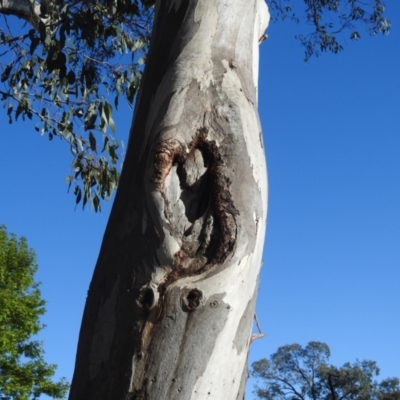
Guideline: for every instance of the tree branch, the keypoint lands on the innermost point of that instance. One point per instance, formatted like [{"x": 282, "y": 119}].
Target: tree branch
[
  {"x": 289, "y": 387},
  {"x": 22, "y": 9},
  {"x": 331, "y": 387}
]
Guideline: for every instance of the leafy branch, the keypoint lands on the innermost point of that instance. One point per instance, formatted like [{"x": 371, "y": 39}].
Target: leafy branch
[
  {"x": 329, "y": 18},
  {"x": 62, "y": 70}
]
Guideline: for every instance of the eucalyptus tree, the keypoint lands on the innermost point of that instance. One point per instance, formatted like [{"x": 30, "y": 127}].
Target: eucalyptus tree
[
  {"x": 170, "y": 306},
  {"x": 304, "y": 373}
]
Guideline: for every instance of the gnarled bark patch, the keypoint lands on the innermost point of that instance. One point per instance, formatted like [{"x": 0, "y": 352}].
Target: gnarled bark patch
[{"x": 200, "y": 212}]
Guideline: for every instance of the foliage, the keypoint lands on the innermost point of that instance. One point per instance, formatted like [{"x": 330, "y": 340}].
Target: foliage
[
  {"x": 69, "y": 67},
  {"x": 64, "y": 69},
  {"x": 329, "y": 18},
  {"x": 23, "y": 372},
  {"x": 297, "y": 373}
]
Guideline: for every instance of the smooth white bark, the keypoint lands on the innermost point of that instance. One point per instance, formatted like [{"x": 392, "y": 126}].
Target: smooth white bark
[
  {"x": 238, "y": 281},
  {"x": 170, "y": 309}
]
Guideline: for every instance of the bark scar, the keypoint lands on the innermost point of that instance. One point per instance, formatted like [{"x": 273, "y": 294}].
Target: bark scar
[
  {"x": 217, "y": 238},
  {"x": 167, "y": 153}
]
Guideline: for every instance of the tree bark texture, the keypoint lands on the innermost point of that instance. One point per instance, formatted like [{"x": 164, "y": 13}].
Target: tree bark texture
[{"x": 171, "y": 303}]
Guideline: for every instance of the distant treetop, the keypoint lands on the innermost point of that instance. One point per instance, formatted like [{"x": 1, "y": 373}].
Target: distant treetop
[{"x": 304, "y": 373}]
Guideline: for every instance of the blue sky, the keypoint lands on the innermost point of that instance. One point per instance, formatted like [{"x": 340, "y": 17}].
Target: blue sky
[{"x": 332, "y": 255}]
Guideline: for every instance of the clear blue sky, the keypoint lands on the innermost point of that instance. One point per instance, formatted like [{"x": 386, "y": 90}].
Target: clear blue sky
[{"x": 332, "y": 256}]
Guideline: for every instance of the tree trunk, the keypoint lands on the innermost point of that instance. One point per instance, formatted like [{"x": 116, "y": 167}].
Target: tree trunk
[{"x": 170, "y": 307}]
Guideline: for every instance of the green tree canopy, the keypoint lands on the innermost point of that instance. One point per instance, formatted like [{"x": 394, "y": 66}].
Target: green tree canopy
[
  {"x": 304, "y": 373},
  {"x": 23, "y": 372}
]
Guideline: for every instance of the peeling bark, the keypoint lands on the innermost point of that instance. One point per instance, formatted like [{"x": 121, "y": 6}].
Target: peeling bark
[{"x": 170, "y": 306}]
